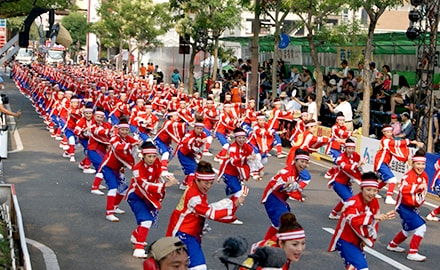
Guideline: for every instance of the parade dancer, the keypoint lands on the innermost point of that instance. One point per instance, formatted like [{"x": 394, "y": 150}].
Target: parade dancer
[
  {"x": 226, "y": 124},
  {"x": 210, "y": 116},
  {"x": 73, "y": 117},
  {"x": 187, "y": 221},
  {"x": 435, "y": 186},
  {"x": 121, "y": 108},
  {"x": 190, "y": 150},
  {"x": 280, "y": 187},
  {"x": 359, "y": 224},
  {"x": 290, "y": 238},
  {"x": 300, "y": 127},
  {"x": 412, "y": 193},
  {"x": 120, "y": 155},
  {"x": 172, "y": 130},
  {"x": 250, "y": 117},
  {"x": 348, "y": 168},
  {"x": 99, "y": 141},
  {"x": 82, "y": 131},
  {"x": 235, "y": 169},
  {"x": 261, "y": 140},
  {"x": 389, "y": 148},
  {"x": 145, "y": 195},
  {"x": 339, "y": 133},
  {"x": 146, "y": 122},
  {"x": 274, "y": 123}
]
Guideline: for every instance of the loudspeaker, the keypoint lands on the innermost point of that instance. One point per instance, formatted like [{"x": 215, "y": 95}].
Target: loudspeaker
[
  {"x": 184, "y": 44},
  {"x": 63, "y": 37}
]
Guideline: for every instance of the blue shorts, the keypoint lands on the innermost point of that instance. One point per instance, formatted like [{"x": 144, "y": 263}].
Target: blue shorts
[
  {"x": 194, "y": 247},
  {"x": 133, "y": 129},
  {"x": 114, "y": 120},
  {"x": 221, "y": 138},
  {"x": 68, "y": 133},
  {"x": 163, "y": 148},
  {"x": 276, "y": 139},
  {"x": 385, "y": 172},
  {"x": 142, "y": 209},
  {"x": 96, "y": 158},
  {"x": 351, "y": 254},
  {"x": 207, "y": 132},
  {"x": 246, "y": 127},
  {"x": 189, "y": 164},
  {"x": 275, "y": 207},
  {"x": 233, "y": 184},
  {"x": 144, "y": 136},
  {"x": 111, "y": 177},
  {"x": 334, "y": 154},
  {"x": 411, "y": 219},
  {"x": 257, "y": 150},
  {"x": 343, "y": 191}
]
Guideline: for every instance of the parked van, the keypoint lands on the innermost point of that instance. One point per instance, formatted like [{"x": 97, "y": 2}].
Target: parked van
[{"x": 25, "y": 56}]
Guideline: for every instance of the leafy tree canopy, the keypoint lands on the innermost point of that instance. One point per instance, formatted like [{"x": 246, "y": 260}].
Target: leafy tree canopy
[{"x": 14, "y": 8}]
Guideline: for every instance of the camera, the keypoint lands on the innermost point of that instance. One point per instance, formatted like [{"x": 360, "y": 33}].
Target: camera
[{"x": 5, "y": 99}]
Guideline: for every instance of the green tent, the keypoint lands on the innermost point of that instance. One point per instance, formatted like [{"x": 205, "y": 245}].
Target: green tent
[{"x": 383, "y": 43}]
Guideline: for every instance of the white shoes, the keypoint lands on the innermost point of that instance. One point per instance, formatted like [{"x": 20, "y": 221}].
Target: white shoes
[
  {"x": 182, "y": 187},
  {"x": 139, "y": 253},
  {"x": 378, "y": 196},
  {"x": 208, "y": 154},
  {"x": 134, "y": 241},
  {"x": 281, "y": 155},
  {"x": 66, "y": 155},
  {"x": 112, "y": 218},
  {"x": 389, "y": 200},
  {"x": 97, "y": 192},
  {"x": 395, "y": 249},
  {"x": 72, "y": 159},
  {"x": 89, "y": 171},
  {"x": 333, "y": 217},
  {"x": 237, "y": 222},
  {"x": 416, "y": 257},
  {"x": 58, "y": 138},
  {"x": 432, "y": 218},
  {"x": 81, "y": 166},
  {"x": 102, "y": 186},
  {"x": 119, "y": 211}
]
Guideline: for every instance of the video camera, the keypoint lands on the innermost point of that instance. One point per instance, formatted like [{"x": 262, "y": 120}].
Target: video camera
[{"x": 270, "y": 257}]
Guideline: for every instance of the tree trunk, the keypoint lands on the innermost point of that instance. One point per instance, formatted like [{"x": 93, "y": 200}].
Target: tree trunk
[
  {"x": 254, "y": 87},
  {"x": 191, "y": 70},
  {"x": 366, "y": 80},
  {"x": 215, "y": 67},
  {"x": 275, "y": 60},
  {"x": 318, "y": 72}
]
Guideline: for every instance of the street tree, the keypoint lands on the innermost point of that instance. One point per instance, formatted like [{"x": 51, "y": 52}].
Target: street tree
[
  {"x": 374, "y": 9},
  {"x": 202, "y": 22},
  {"x": 130, "y": 24},
  {"x": 313, "y": 14},
  {"x": 76, "y": 24}
]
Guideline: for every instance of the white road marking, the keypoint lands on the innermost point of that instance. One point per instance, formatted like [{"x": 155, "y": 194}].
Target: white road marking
[
  {"x": 376, "y": 254},
  {"x": 50, "y": 258}
]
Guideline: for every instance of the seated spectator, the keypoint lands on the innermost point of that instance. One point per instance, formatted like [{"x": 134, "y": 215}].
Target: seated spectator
[
  {"x": 408, "y": 131},
  {"x": 395, "y": 125},
  {"x": 402, "y": 95}
]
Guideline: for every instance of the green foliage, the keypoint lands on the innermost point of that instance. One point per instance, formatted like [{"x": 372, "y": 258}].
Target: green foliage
[
  {"x": 76, "y": 24},
  {"x": 16, "y": 8},
  {"x": 138, "y": 20}
]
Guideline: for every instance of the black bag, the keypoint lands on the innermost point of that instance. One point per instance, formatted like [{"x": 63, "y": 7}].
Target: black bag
[{"x": 5, "y": 99}]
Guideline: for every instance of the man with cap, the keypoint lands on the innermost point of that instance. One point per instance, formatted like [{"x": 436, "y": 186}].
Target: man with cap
[
  {"x": 167, "y": 253},
  {"x": 359, "y": 223}
]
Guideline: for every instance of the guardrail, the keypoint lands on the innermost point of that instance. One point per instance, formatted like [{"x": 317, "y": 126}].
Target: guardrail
[{"x": 10, "y": 213}]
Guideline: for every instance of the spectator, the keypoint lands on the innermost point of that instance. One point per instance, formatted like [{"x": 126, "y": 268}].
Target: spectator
[
  {"x": 395, "y": 125},
  {"x": 402, "y": 95},
  {"x": 284, "y": 100},
  {"x": 235, "y": 93},
  {"x": 293, "y": 105},
  {"x": 345, "y": 68},
  {"x": 167, "y": 253},
  {"x": 408, "y": 130},
  {"x": 175, "y": 78},
  {"x": 2, "y": 108},
  {"x": 306, "y": 77},
  {"x": 351, "y": 78},
  {"x": 294, "y": 77},
  {"x": 345, "y": 107},
  {"x": 143, "y": 71},
  {"x": 312, "y": 108}
]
